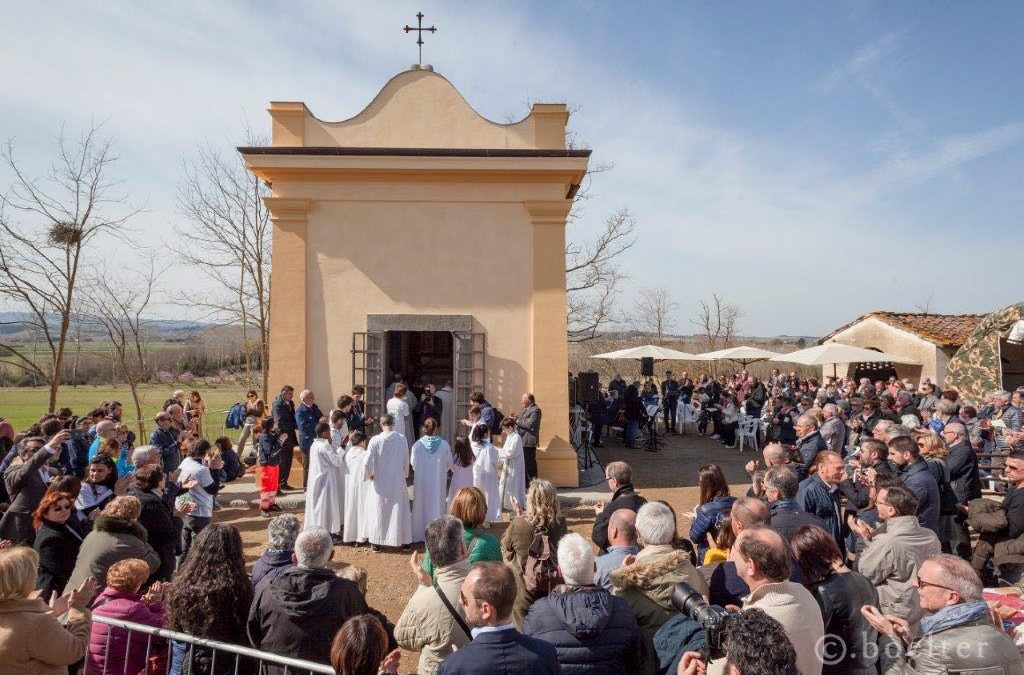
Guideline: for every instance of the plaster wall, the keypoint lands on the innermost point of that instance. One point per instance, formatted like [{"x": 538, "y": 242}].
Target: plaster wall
[{"x": 874, "y": 334}]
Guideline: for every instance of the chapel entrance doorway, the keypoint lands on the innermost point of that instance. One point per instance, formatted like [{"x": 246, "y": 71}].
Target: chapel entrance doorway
[{"x": 420, "y": 358}]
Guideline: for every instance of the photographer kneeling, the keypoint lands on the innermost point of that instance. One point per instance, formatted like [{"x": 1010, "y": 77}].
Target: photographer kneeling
[{"x": 754, "y": 644}]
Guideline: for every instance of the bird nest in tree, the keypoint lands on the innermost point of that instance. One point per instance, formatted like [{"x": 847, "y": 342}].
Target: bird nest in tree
[{"x": 66, "y": 234}]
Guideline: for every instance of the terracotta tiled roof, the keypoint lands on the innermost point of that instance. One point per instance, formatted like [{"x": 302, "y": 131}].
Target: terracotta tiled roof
[{"x": 945, "y": 330}]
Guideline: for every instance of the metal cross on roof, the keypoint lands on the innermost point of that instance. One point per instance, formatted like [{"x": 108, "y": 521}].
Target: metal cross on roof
[{"x": 419, "y": 33}]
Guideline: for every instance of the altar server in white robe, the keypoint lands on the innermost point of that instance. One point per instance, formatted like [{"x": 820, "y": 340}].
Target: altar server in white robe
[
  {"x": 356, "y": 488},
  {"x": 325, "y": 489},
  {"x": 472, "y": 421},
  {"x": 513, "y": 466},
  {"x": 447, "y": 396},
  {"x": 463, "y": 460},
  {"x": 431, "y": 461},
  {"x": 399, "y": 408},
  {"x": 388, "y": 520},
  {"x": 485, "y": 471}
]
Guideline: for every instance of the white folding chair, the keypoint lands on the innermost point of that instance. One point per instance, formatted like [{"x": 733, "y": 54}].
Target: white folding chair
[{"x": 747, "y": 431}]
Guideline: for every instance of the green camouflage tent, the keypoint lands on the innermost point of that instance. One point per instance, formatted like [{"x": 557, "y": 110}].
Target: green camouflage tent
[{"x": 975, "y": 367}]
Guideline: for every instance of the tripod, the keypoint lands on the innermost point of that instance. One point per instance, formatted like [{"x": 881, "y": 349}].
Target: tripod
[{"x": 652, "y": 443}]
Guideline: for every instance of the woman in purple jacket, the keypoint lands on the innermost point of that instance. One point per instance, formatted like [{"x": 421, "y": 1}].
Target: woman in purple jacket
[{"x": 109, "y": 648}]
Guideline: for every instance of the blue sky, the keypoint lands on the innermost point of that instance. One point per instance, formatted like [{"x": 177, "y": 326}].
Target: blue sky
[{"x": 809, "y": 161}]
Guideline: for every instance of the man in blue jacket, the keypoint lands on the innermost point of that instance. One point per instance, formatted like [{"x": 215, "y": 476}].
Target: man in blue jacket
[
  {"x": 487, "y": 597},
  {"x": 913, "y": 471},
  {"x": 307, "y": 416},
  {"x": 819, "y": 494}
]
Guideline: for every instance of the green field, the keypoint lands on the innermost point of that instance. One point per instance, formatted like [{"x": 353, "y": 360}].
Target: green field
[{"x": 22, "y": 406}]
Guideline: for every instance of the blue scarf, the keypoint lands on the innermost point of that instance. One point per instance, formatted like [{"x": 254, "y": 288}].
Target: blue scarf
[
  {"x": 430, "y": 443},
  {"x": 954, "y": 615}
]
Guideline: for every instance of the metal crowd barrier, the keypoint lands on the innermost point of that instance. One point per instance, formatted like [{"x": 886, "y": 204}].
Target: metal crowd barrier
[{"x": 220, "y": 651}]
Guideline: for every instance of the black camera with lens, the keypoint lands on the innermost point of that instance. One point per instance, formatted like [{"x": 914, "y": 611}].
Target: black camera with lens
[{"x": 711, "y": 618}]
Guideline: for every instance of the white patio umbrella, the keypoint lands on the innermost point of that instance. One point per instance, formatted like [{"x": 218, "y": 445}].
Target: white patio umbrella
[
  {"x": 743, "y": 355},
  {"x": 649, "y": 352},
  {"x": 834, "y": 353}
]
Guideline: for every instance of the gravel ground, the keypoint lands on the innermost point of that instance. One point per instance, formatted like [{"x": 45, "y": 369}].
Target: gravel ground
[{"x": 668, "y": 475}]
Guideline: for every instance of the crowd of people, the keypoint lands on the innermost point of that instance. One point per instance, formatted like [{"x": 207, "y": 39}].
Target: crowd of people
[{"x": 862, "y": 545}]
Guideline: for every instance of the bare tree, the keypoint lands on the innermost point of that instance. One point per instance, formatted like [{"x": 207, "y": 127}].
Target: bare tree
[
  {"x": 925, "y": 305},
  {"x": 117, "y": 305},
  {"x": 228, "y": 240},
  {"x": 593, "y": 276},
  {"x": 717, "y": 321},
  {"x": 40, "y": 261},
  {"x": 654, "y": 311}
]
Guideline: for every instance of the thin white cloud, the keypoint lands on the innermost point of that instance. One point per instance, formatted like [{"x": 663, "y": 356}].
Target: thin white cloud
[{"x": 863, "y": 60}]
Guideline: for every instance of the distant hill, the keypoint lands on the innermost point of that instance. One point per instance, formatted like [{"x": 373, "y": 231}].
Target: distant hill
[{"x": 13, "y": 328}]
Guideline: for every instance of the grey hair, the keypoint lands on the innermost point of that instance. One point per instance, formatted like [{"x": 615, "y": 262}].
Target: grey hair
[
  {"x": 897, "y": 430},
  {"x": 775, "y": 451},
  {"x": 576, "y": 560},
  {"x": 945, "y": 406},
  {"x": 282, "y": 532},
  {"x": 809, "y": 420},
  {"x": 958, "y": 576},
  {"x": 783, "y": 480},
  {"x": 655, "y": 524},
  {"x": 313, "y": 548},
  {"x": 956, "y": 427},
  {"x": 831, "y": 408},
  {"x": 143, "y": 455},
  {"x": 620, "y": 471},
  {"x": 387, "y": 420},
  {"x": 444, "y": 541},
  {"x": 1002, "y": 395}
]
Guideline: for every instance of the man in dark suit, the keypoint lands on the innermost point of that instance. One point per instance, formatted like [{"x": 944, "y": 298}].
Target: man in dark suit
[
  {"x": 809, "y": 441},
  {"x": 283, "y": 411},
  {"x": 487, "y": 597},
  {"x": 528, "y": 426}
]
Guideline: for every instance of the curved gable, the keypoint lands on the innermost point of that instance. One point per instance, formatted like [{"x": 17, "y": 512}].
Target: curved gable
[{"x": 420, "y": 109}]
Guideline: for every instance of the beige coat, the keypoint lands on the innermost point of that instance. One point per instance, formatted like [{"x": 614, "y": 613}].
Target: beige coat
[
  {"x": 795, "y": 608},
  {"x": 32, "y": 642},
  {"x": 427, "y": 626},
  {"x": 891, "y": 561}
]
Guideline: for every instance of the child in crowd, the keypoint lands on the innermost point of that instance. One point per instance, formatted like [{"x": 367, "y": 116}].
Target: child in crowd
[
  {"x": 269, "y": 461},
  {"x": 720, "y": 542},
  {"x": 357, "y": 575},
  {"x": 232, "y": 465},
  {"x": 339, "y": 429}
]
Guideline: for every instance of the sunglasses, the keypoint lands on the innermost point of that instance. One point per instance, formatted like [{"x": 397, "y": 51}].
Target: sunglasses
[{"x": 61, "y": 507}]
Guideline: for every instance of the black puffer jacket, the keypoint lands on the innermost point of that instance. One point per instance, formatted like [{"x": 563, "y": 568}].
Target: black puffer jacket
[
  {"x": 162, "y": 527},
  {"x": 593, "y": 631},
  {"x": 298, "y": 613}
]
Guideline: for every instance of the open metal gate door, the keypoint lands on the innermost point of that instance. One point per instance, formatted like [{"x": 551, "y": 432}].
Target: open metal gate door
[
  {"x": 368, "y": 370},
  {"x": 470, "y": 366}
]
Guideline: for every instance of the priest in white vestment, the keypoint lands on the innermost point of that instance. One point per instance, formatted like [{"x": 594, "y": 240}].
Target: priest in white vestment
[
  {"x": 513, "y": 473},
  {"x": 325, "y": 488},
  {"x": 356, "y": 488},
  {"x": 485, "y": 471},
  {"x": 431, "y": 461},
  {"x": 388, "y": 520},
  {"x": 399, "y": 408},
  {"x": 447, "y": 396}
]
